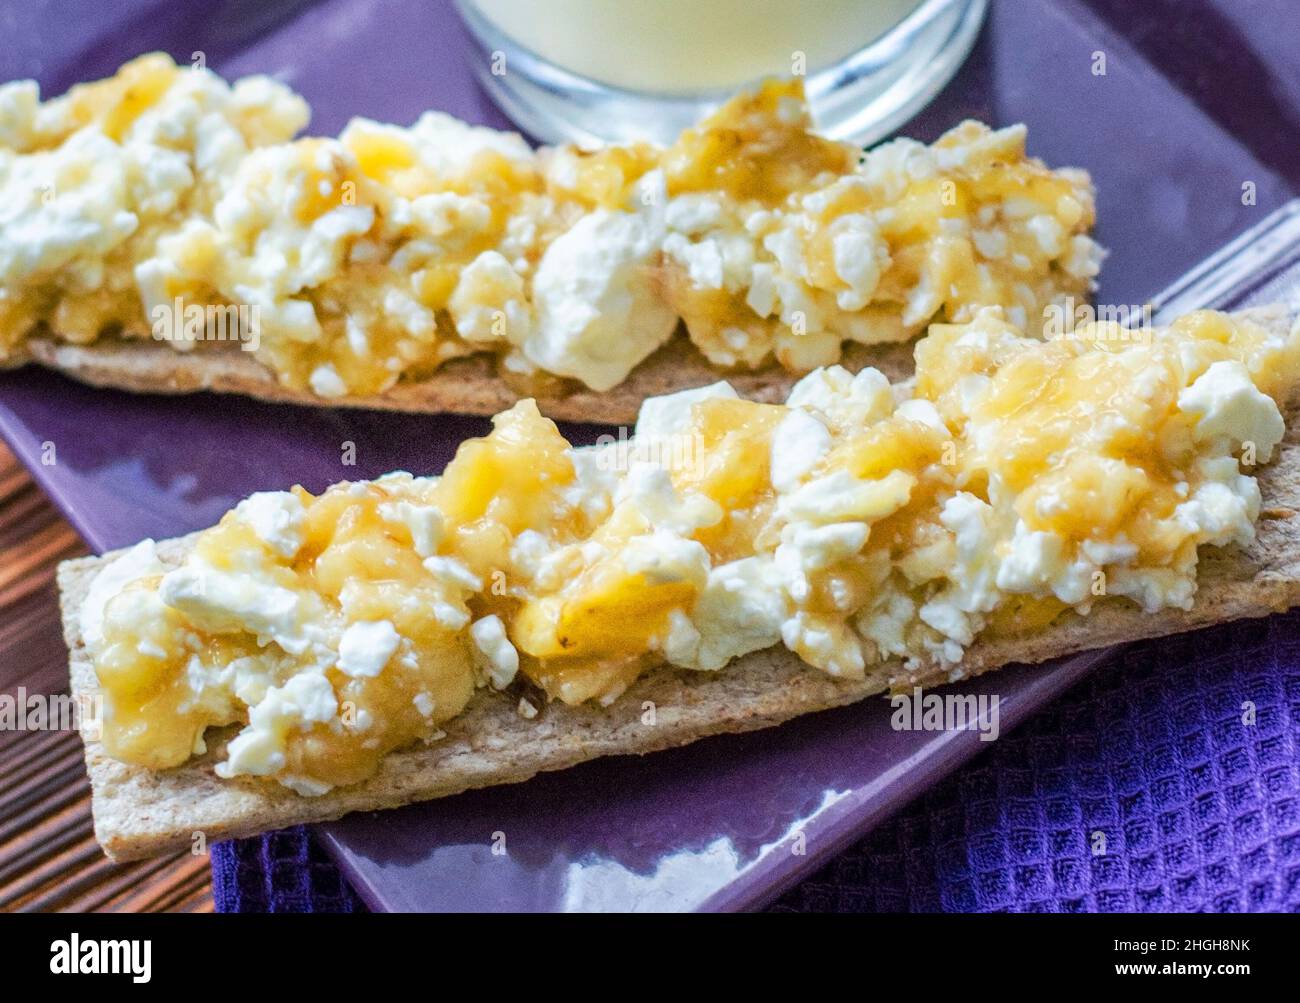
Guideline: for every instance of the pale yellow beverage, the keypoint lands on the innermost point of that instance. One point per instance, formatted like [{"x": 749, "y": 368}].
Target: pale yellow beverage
[{"x": 692, "y": 46}]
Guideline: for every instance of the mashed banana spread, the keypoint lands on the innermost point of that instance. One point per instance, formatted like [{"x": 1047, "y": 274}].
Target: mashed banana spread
[
  {"x": 379, "y": 255},
  {"x": 860, "y": 525}
]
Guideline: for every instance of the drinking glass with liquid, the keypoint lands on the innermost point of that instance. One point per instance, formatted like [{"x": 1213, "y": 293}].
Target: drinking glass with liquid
[{"x": 620, "y": 70}]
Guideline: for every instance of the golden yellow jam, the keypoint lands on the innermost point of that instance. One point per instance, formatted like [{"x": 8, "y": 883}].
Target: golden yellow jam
[
  {"x": 758, "y": 147},
  {"x": 861, "y": 526}
]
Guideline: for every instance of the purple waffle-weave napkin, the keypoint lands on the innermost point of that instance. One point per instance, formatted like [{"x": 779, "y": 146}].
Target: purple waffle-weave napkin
[{"x": 1184, "y": 753}]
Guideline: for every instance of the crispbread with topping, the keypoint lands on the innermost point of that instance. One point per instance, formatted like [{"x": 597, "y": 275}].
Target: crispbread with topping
[
  {"x": 140, "y": 812},
  {"x": 469, "y": 385}
]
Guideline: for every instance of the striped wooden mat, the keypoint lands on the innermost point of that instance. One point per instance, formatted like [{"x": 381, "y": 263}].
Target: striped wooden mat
[{"x": 49, "y": 860}]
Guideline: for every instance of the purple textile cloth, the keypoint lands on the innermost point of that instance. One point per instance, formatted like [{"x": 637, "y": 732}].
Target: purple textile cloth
[{"x": 1199, "y": 810}]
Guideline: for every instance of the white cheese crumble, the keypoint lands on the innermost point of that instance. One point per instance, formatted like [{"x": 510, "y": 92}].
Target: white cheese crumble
[
  {"x": 277, "y": 519},
  {"x": 230, "y": 601},
  {"x": 495, "y": 654},
  {"x": 741, "y": 609},
  {"x": 598, "y": 314},
  {"x": 798, "y": 444},
  {"x": 1228, "y": 405},
  {"x": 305, "y": 699},
  {"x": 366, "y": 647},
  {"x": 423, "y": 522},
  {"x": 136, "y": 563}
]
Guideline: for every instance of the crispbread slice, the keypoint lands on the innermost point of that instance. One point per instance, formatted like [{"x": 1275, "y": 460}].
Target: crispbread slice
[
  {"x": 462, "y": 386},
  {"x": 140, "y": 812}
]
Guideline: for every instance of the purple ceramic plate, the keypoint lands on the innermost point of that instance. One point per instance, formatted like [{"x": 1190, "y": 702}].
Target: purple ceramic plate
[{"x": 1177, "y": 128}]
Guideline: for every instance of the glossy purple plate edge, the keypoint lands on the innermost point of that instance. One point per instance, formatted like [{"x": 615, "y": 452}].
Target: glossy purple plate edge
[{"x": 869, "y": 805}]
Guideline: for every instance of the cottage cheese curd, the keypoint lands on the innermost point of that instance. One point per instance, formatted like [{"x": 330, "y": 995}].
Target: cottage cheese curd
[
  {"x": 91, "y": 182},
  {"x": 379, "y": 255}
]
